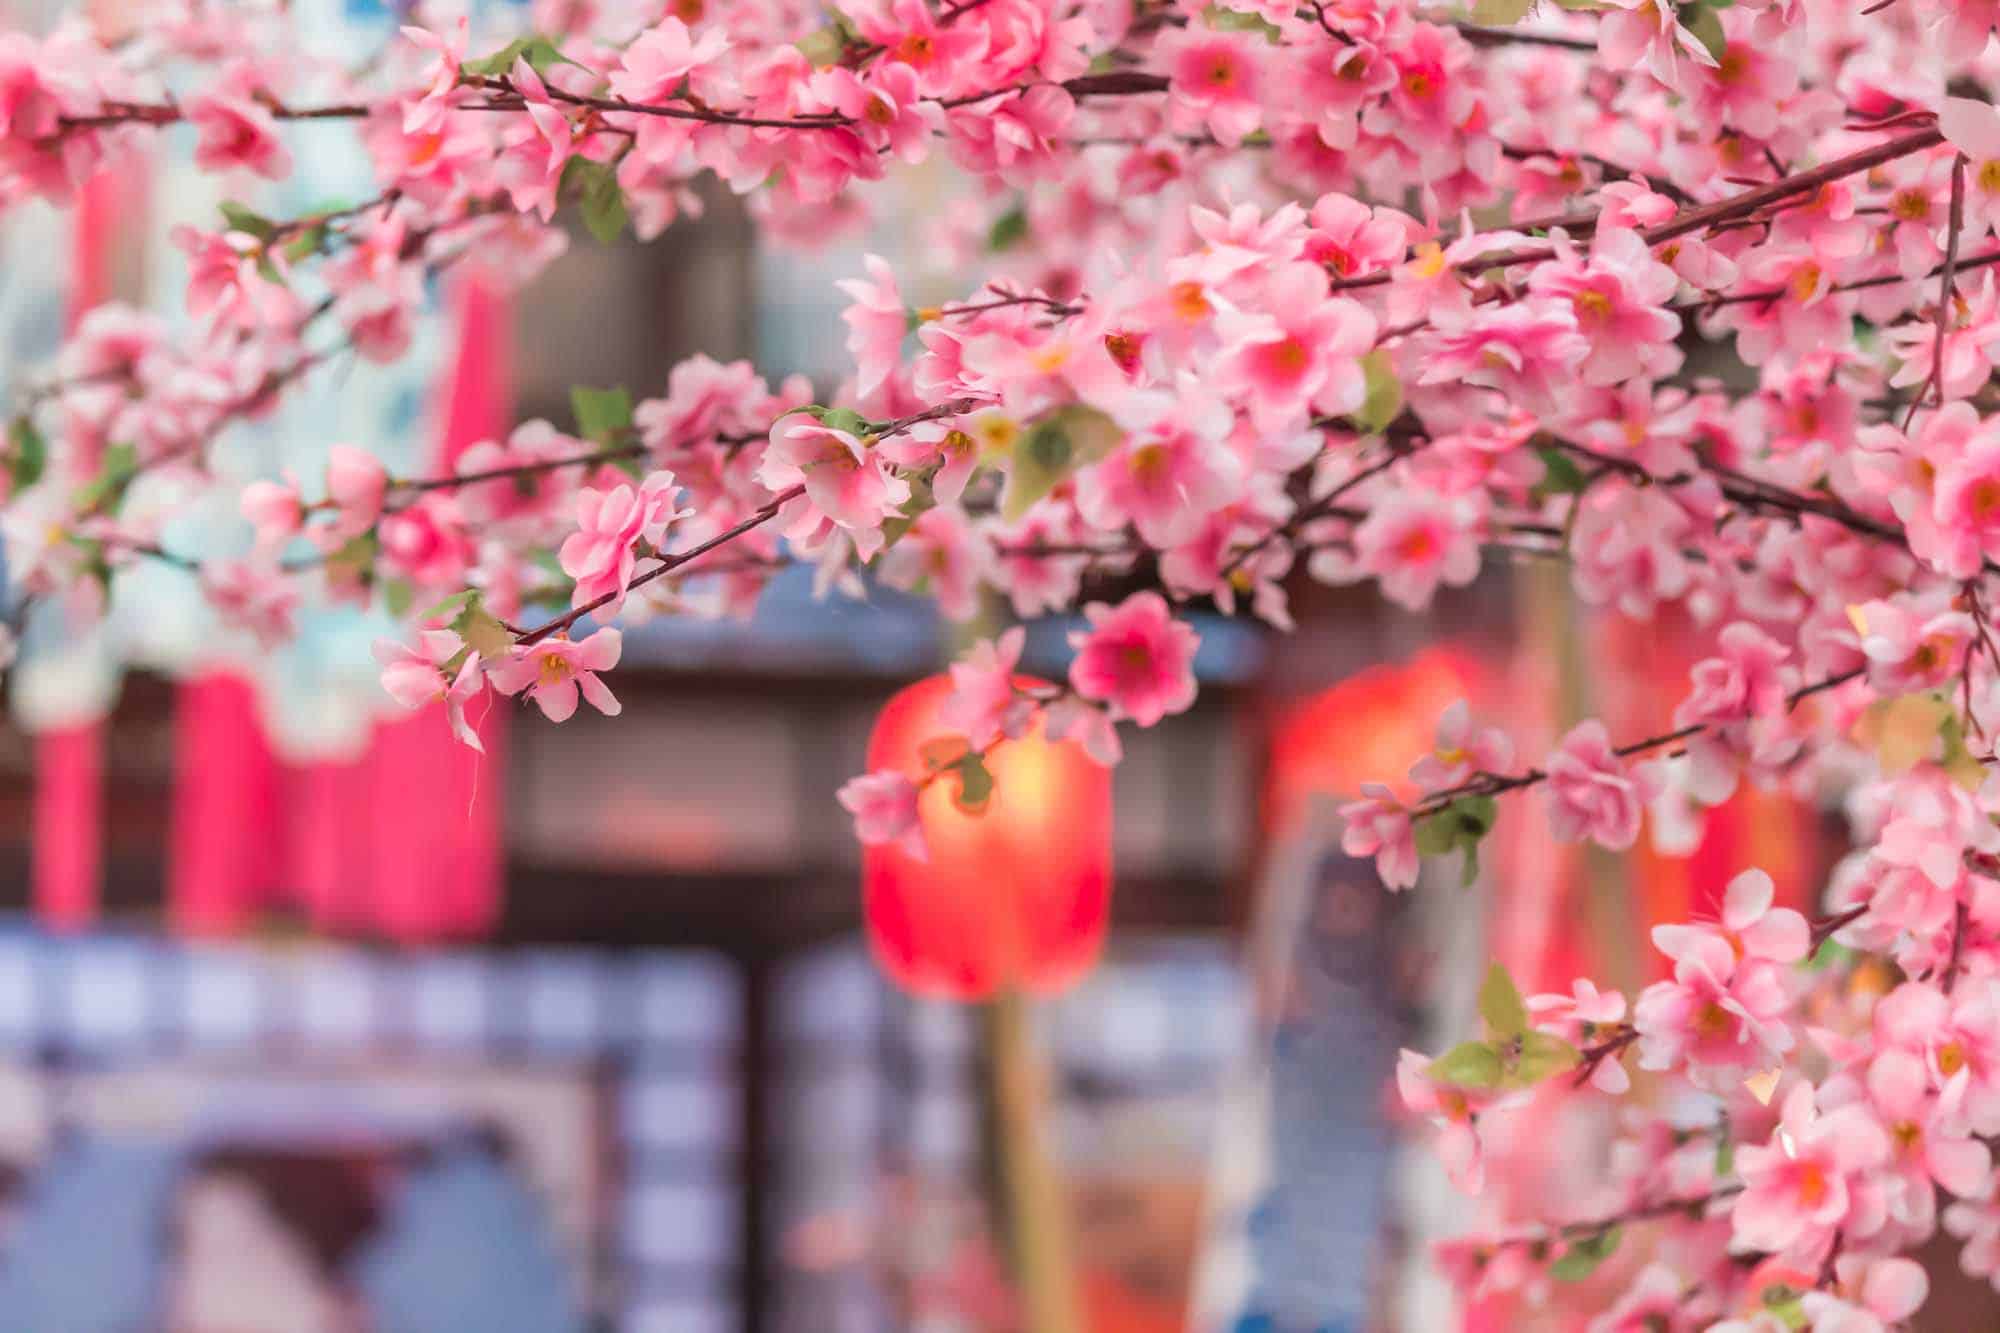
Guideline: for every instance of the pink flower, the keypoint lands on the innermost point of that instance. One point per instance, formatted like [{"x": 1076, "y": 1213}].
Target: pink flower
[
  {"x": 1973, "y": 128},
  {"x": 1215, "y": 80},
  {"x": 1455, "y": 1112},
  {"x": 1070, "y": 718},
  {"x": 1378, "y": 825},
  {"x": 983, "y": 705},
  {"x": 554, "y": 670},
  {"x": 1166, "y": 479},
  {"x": 1299, "y": 353},
  {"x": 1954, "y": 1035},
  {"x": 1748, "y": 680},
  {"x": 943, "y": 555},
  {"x": 1136, "y": 658},
  {"x": 1719, "y": 1016},
  {"x": 888, "y": 107},
  {"x": 1523, "y": 348},
  {"x": 844, "y": 480},
  {"x": 226, "y": 281},
  {"x": 603, "y": 552},
  {"x": 426, "y": 542},
  {"x": 1579, "y": 1018},
  {"x": 1927, "y": 1135},
  {"x": 415, "y": 677},
  {"x": 1750, "y": 926},
  {"x": 355, "y": 482},
  {"x": 1870, "y": 1295},
  {"x": 876, "y": 324},
  {"x": 1911, "y": 647},
  {"x": 1592, "y": 793},
  {"x": 252, "y": 596},
  {"x": 1413, "y": 540},
  {"x": 538, "y": 151},
  {"x": 1461, "y": 751},
  {"x": 1815, "y": 1178},
  {"x": 425, "y": 114},
  {"x": 1966, "y": 506},
  {"x": 275, "y": 511},
  {"x": 236, "y": 132},
  {"x": 1618, "y": 297},
  {"x": 654, "y": 66},
  {"x": 884, "y": 806}
]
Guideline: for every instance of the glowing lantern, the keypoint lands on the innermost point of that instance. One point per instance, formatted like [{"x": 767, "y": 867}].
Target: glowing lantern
[{"x": 1014, "y": 897}]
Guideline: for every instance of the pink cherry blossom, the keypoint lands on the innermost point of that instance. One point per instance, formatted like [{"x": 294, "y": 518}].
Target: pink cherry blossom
[
  {"x": 1815, "y": 1178},
  {"x": 654, "y": 67},
  {"x": 984, "y": 705},
  {"x": 844, "y": 480},
  {"x": 1462, "y": 750},
  {"x": 275, "y": 511},
  {"x": 876, "y": 324},
  {"x": 1217, "y": 78},
  {"x": 602, "y": 554},
  {"x": 1136, "y": 658},
  {"x": 416, "y": 677},
  {"x": 236, "y": 132},
  {"x": 556, "y": 669},
  {"x": 1412, "y": 542},
  {"x": 1593, "y": 793},
  {"x": 356, "y": 482},
  {"x": 1379, "y": 825},
  {"x": 884, "y": 806}
]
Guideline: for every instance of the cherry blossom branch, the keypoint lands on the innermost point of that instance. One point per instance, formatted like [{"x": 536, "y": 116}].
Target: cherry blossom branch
[
  {"x": 1696, "y": 218},
  {"x": 667, "y": 564},
  {"x": 1495, "y": 784}
]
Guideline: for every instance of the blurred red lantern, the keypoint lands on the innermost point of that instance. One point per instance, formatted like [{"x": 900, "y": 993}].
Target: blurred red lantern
[{"x": 1014, "y": 897}]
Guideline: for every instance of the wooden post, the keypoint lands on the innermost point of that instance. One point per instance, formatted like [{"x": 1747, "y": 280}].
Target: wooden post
[{"x": 1037, "y": 1210}]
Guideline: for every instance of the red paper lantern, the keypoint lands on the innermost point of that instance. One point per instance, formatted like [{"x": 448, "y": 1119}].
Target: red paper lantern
[{"x": 1014, "y": 897}]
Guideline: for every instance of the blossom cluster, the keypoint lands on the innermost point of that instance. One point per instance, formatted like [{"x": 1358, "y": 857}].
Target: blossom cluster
[{"x": 1695, "y": 299}]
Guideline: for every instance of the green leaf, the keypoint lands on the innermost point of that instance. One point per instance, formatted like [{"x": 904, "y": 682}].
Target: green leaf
[
  {"x": 448, "y": 610},
  {"x": 1470, "y": 1064},
  {"x": 1583, "y": 1256},
  {"x": 1500, "y": 13},
  {"x": 823, "y": 46},
  {"x": 847, "y": 419},
  {"x": 942, "y": 752},
  {"x": 1560, "y": 474},
  {"x": 1703, "y": 22},
  {"x": 309, "y": 242},
  {"x": 1543, "y": 1056},
  {"x": 1459, "y": 826},
  {"x": 540, "y": 53},
  {"x": 355, "y": 558},
  {"x": 1434, "y": 835},
  {"x": 1500, "y": 1004},
  {"x": 397, "y": 596},
  {"x": 1384, "y": 399},
  {"x": 1236, "y": 20},
  {"x": 247, "y": 221},
  {"x": 1725, "y": 1158},
  {"x": 975, "y": 785},
  {"x": 600, "y": 198},
  {"x": 27, "y": 453},
  {"x": 483, "y": 633},
  {"x": 1049, "y": 451},
  {"x": 1008, "y": 230},
  {"x": 107, "y": 492},
  {"x": 602, "y": 415}
]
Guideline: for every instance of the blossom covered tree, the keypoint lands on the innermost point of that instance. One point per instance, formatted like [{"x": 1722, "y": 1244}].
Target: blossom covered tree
[{"x": 1696, "y": 297}]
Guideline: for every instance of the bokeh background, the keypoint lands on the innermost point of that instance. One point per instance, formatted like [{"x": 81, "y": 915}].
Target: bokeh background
[{"x": 311, "y": 1021}]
